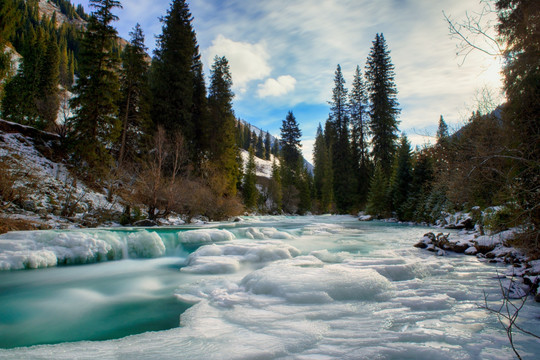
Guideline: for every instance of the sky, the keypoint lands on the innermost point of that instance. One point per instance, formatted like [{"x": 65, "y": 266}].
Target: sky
[{"x": 283, "y": 55}]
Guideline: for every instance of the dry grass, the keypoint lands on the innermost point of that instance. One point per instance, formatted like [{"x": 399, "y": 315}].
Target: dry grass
[{"x": 7, "y": 224}]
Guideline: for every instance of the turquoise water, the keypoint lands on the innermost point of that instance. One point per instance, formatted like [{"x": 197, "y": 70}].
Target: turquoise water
[{"x": 321, "y": 287}]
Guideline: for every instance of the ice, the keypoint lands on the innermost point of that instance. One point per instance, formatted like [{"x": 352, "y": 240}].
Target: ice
[
  {"x": 266, "y": 233},
  {"x": 38, "y": 249},
  {"x": 293, "y": 298},
  {"x": 145, "y": 245},
  {"x": 204, "y": 236},
  {"x": 226, "y": 258},
  {"x": 306, "y": 279}
]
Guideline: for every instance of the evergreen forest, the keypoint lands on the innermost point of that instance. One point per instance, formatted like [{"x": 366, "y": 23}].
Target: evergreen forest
[{"x": 152, "y": 129}]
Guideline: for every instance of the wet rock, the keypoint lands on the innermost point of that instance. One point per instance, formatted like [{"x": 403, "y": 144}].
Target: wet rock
[
  {"x": 145, "y": 222},
  {"x": 29, "y": 205},
  {"x": 471, "y": 251},
  {"x": 420, "y": 245},
  {"x": 365, "y": 218}
]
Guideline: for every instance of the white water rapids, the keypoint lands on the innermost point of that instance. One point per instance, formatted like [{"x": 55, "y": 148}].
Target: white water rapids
[{"x": 318, "y": 287}]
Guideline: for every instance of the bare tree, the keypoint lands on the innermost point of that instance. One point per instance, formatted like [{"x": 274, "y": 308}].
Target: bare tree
[
  {"x": 476, "y": 32},
  {"x": 507, "y": 312}
]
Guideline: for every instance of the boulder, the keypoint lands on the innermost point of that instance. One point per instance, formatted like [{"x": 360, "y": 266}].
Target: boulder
[{"x": 145, "y": 222}]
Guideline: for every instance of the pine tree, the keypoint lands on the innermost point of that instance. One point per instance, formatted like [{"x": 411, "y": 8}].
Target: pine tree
[
  {"x": 322, "y": 172},
  {"x": 290, "y": 141},
  {"x": 442, "y": 130},
  {"x": 344, "y": 179},
  {"x": 518, "y": 26},
  {"x": 224, "y": 151},
  {"x": 378, "y": 194},
  {"x": 383, "y": 103},
  {"x": 173, "y": 72},
  {"x": 304, "y": 185},
  {"x": 267, "y": 146},
  {"x": 401, "y": 178},
  {"x": 134, "y": 105},
  {"x": 275, "y": 188},
  {"x": 97, "y": 91},
  {"x": 10, "y": 20},
  {"x": 259, "y": 149},
  {"x": 249, "y": 190},
  {"x": 358, "y": 108},
  {"x": 47, "y": 97},
  {"x": 200, "y": 116}
]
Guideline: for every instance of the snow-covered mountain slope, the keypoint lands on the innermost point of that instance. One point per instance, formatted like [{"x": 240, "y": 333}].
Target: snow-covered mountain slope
[
  {"x": 263, "y": 167},
  {"x": 44, "y": 189}
]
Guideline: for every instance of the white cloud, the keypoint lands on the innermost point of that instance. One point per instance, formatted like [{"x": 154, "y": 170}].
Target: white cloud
[
  {"x": 277, "y": 87},
  {"x": 248, "y": 61}
]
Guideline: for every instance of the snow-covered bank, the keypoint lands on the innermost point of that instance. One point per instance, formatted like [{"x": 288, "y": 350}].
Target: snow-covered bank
[
  {"x": 42, "y": 189},
  {"x": 522, "y": 273}
]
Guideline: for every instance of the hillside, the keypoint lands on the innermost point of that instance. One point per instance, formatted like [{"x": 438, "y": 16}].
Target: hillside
[{"x": 39, "y": 190}]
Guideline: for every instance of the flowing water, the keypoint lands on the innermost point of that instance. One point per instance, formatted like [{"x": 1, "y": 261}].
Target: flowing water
[{"x": 325, "y": 287}]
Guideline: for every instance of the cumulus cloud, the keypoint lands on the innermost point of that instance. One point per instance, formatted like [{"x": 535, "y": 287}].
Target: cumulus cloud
[
  {"x": 276, "y": 87},
  {"x": 247, "y": 61}
]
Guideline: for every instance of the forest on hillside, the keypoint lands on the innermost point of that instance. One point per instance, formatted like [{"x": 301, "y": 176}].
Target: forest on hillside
[{"x": 150, "y": 130}]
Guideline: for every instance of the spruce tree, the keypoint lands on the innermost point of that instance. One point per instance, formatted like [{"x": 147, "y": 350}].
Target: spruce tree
[
  {"x": 344, "y": 179},
  {"x": 259, "y": 149},
  {"x": 518, "y": 26},
  {"x": 275, "y": 189},
  {"x": 223, "y": 147},
  {"x": 358, "y": 111},
  {"x": 249, "y": 190},
  {"x": 322, "y": 173},
  {"x": 442, "y": 130},
  {"x": 135, "y": 102},
  {"x": 97, "y": 93},
  {"x": 383, "y": 103},
  {"x": 290, "y": 141},
  {"x": 401, "y": 178},
  {"x": 267, "y": 146},
  {"x": 378, "y": 194},
  {"x": 47, "y": 97},
  {"x": 173, "y": 72}
]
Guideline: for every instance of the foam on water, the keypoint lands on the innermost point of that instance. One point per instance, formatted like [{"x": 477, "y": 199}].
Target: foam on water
[{"x": 362, "y": 292}]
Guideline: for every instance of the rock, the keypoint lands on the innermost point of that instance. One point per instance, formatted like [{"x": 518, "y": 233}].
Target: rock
[
  {"x": 430, "y": 236},
  {"x": 365, "y": 218},
  {"x": 421, "y": 245},
  {"x": 237, "y": 219},
  {"x": 29, "y": 205},
  {"x": 471, "y": 251},
  {"x": 431, "y": 248},
  {"x": 537, "y": 297},
  {"x": 145, "y": 222}
]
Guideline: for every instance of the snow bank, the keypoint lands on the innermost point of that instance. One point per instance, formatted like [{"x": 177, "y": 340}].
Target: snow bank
[
  {"x": 38, "y": 249},
  {"x": 491, "y": 241},
  {"x": 217, "y": 259},
  {"x": 204, "y": 236}
]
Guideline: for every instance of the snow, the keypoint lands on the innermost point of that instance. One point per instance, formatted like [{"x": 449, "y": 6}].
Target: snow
[
  {"x": 38, "y": 249},
  {"x": 204, "y": 236},
  {"x": 263, "y": 167},
  {"x": 218, "y": 259},
  {"x": 48, "y": 185}
]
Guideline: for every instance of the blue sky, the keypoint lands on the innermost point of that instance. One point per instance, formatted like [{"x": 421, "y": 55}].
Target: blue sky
[{"x": 283, "y": 55}]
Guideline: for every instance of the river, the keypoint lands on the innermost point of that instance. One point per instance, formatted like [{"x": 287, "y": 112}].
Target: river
[{"x": 314, "y": 287}]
